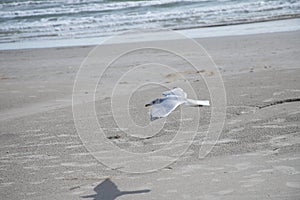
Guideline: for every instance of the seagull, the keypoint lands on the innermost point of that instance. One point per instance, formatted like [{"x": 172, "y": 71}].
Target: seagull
[{"x": 162, "y": 107}]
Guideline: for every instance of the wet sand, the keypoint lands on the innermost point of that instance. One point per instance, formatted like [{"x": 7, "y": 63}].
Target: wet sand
[{"x": 256, "y": 156}]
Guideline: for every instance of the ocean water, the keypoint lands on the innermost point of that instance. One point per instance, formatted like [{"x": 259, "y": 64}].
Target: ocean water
[{"x": 44, "y": 20}]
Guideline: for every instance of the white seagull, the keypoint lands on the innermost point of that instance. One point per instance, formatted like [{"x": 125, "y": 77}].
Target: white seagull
[{"x": 162, "y": 107}]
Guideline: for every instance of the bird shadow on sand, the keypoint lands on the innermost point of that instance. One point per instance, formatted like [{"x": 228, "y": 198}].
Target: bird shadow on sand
[{"x": 108, "y": 190}]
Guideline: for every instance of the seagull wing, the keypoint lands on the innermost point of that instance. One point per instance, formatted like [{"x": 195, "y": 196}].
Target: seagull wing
[
  {"x": 177, "y": 92},
  {"x": 164, "y": 108}
]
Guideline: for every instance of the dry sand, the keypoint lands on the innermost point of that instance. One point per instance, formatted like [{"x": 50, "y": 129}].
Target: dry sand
[{"x": 256, "y": 157}]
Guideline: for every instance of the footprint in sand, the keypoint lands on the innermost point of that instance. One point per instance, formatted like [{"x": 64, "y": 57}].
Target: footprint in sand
[
  {"x": 287, "y": 170},
  {"x": 224, "y": 192},
  {"x": 293, "y": 184}
]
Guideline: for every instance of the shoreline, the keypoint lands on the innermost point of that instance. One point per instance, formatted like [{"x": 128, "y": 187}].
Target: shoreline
[{"x": 260, "y": 27}]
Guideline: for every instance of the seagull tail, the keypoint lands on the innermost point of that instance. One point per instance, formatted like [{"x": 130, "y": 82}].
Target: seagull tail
[{"x": 191, "y": 102}]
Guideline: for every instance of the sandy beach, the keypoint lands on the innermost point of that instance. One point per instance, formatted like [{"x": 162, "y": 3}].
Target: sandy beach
[{"x": 257, "y": 155}]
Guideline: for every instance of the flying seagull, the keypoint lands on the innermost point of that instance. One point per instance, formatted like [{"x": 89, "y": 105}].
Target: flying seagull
[{"x": 162, "y": 107}]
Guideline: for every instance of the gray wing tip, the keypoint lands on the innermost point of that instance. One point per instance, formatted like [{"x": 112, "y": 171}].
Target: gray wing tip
[{"x": 154, "y": 118}]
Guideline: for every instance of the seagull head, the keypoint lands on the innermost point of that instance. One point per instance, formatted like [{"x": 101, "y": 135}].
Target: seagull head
[{"x": 156, "y": 101}]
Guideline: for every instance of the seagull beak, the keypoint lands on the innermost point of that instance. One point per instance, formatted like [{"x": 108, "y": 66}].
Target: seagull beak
[{"x": 147, "y": 105}]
